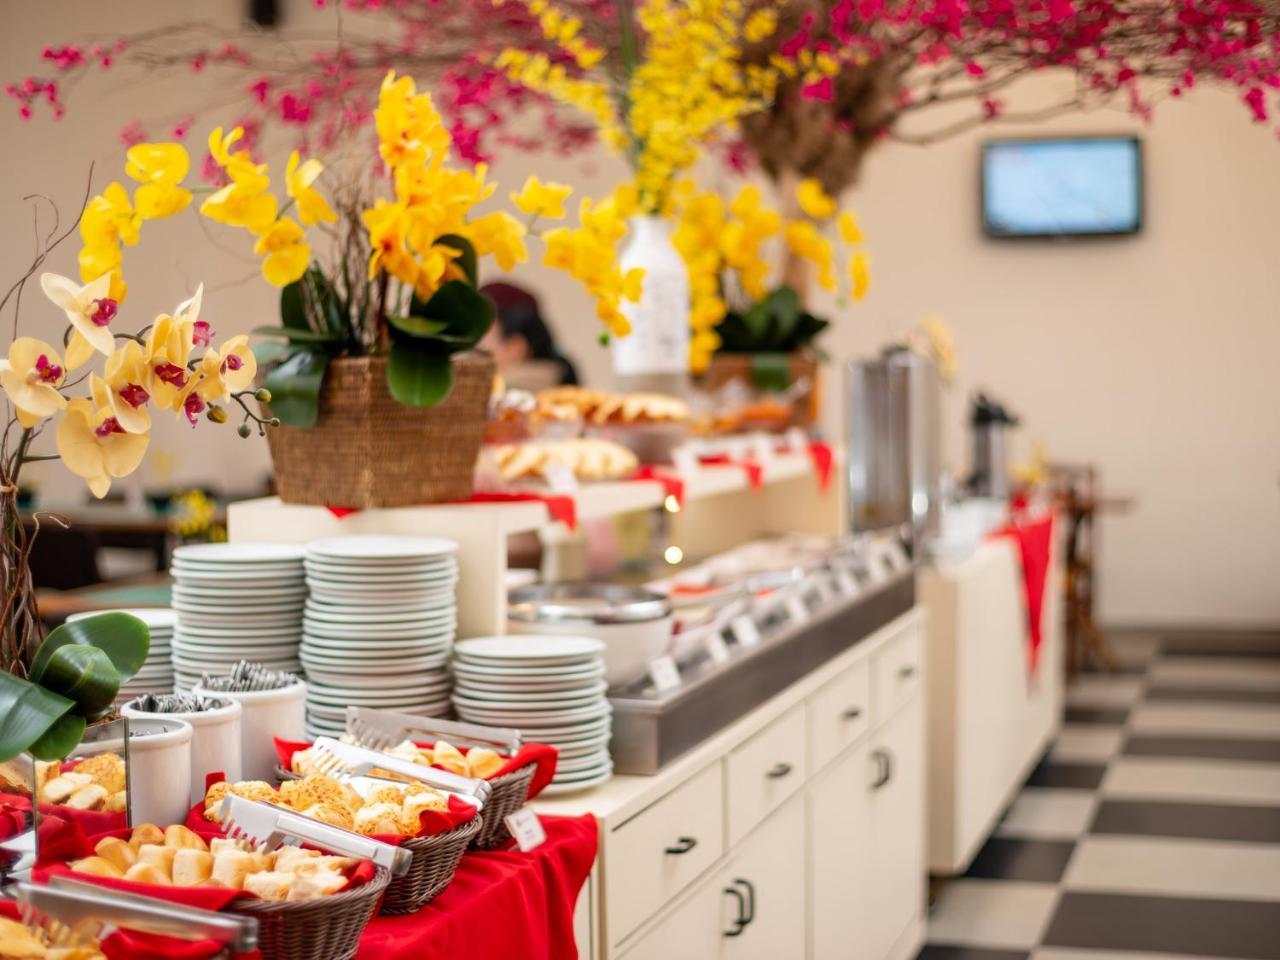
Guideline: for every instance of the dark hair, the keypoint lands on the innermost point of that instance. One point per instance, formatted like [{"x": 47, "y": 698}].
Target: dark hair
[{"x": 519, "y": 316}]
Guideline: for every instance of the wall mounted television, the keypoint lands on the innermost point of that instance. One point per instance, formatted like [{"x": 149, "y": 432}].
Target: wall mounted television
[{"x": 1062, "y": 187}]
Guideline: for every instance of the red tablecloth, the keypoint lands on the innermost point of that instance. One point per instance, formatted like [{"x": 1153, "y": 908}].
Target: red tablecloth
[{"x": 1034, "y": 537}]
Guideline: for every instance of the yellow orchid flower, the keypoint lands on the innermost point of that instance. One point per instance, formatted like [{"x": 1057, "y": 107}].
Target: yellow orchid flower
[
  {"x": 388, "y": 226},
  {"x": 312, "y": 206},
  {"x": 89, "y": 309},
  {"x": 226, "y": 371},
  {"x": 30, "y": 376},
  {"x": 850, "y": 232},
  {"x": 160, "y": 168},
  {"x": 814, "y": 200},
  {"x": 168, "y": 348},
  {"x": 95, "y": 447},
  {"x": 860, "y": 270},
  {"x": 287, "y": 253},
  {"x": 109, "y": 219},
  {"x": 244, "y": 202},
  {"x": 502, "y": 235},
  {"x": 540, "y": 199},
  {"x": 220, "y": 146},
  {"x": 126, "y": 384}
]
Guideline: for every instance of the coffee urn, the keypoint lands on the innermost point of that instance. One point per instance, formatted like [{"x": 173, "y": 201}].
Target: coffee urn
[
  {"x": 893, "y": 407},
  {"x": 990, "y": 424}
]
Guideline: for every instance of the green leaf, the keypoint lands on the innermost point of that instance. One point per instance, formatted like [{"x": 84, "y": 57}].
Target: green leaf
[
  {"x": 784, "y": 306},
  {"x": 84, "y": 675},
  {"x": 295, "y": 336},
  {"x": 418, "y": 326},
  {"x": 271, "y": 351},
  {"x": 61, "y": 739},
  {"x": 466, "y": 310},
  {"x": 757, "y": 321},
  {"x": 293, "y": 308},
  {"x": 327, "y": 303},
  {"x": 295, "y": 387},
  {"x": 27, "y": 712},
  {"x": 123, "y": 638},
  {"x": 770, "y": 371},
  {"x": 467, "y": 258},
  {"x": 418, "y": 374}
]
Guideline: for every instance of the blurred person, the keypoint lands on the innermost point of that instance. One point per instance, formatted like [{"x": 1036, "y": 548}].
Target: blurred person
[{"x": 522, "y": 343}]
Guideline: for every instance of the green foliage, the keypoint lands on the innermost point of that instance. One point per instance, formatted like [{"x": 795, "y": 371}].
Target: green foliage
[
  {"x": 74, "y": 677},
  {"x": 776, "y": 324}
]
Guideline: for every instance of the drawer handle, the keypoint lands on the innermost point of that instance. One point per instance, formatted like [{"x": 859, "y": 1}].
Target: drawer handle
[
  {"x": 779, "y": 771},
  {"x": 884, "y": 768},
  {"x": 683, "y": 845},
  {"x": 751, "y": 897},
  {"x": 853, "y": 713},
  {"x": 906, "y": 672},
  {"x": 740, "y": 921}
]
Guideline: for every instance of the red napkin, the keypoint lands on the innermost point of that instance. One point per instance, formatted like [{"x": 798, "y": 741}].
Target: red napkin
[
  {"x": 755, "y": 473},
  {"x": 133, "y": 945},
  {"x": 540, "y": 753},
  {"x": 672, "y": 485},
  {"x": 1035, "y": 546},
  {"x": 821, "y": 455},
  {"x": 15, "y": 811},
  {"x": 559, "y": 506}
]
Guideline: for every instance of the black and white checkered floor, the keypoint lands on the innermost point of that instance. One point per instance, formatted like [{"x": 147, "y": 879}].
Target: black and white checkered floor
[{"x": 1151, "y": 831}]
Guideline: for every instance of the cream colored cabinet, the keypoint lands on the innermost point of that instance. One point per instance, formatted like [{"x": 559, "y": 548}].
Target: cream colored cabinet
[{"x": 839, "y": 809}]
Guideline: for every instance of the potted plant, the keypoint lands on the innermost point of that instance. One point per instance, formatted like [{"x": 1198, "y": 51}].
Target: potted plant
[{"x": 752, "y": 344}]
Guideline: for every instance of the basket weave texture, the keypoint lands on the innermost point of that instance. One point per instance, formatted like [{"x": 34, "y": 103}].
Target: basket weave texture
[
  {"x": 326, "y": 928},
  {"x": 369, "y": 450},
  {"x": 727, "y": 367},
  {"x": 435, "y": 859},
  {"x": 509, "y": 793}
]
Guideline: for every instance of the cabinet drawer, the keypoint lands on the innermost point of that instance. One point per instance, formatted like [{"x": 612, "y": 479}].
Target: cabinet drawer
[
  {"x": 657, "y": 853},
  {"x": 839, "y": 713},
  {"x": 896, "y": 671},
  {"x": 764, "y": 771}
]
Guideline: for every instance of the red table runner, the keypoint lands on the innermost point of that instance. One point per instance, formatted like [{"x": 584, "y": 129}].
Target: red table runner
[{"x": 1035, "y": 548}]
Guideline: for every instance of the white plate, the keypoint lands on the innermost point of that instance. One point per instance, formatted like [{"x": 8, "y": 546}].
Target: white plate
[
  {"x": 556, "y": 788},
  {"x": 377, "y": 618},
  {"x": 367, "y": 667},
  {"x": 388, "y": 568},
  {"x": 587, "y": 668},
  {"x": 572, "y": 731},
  {"x": 407, "y": 704},
  {"x": 531, "y": 649},
  {"x": 358, "y": 579},
  {"x": 372, "y": 548},
  {"x": 344, "y": 653},
  {"x": 240, "y": 594},
  {"x": 157, "y": 618},
  {"x": 410, "y": 631},
  {"x": 378, "y": 601},
  {"x": 255, "y": 621},
  {"x": 232, "y": 630},
  {"x": 535, "y": 719},
  {"x": 515, "y": 698},
  {"x": 240, "y": 552},
  {"x": 591, "y": 762},
  {"x": 232, "y": 585},
  {"x": 189, "y": 659},
  {"x": 283, "y": 571},
  {"x": 572, "y": 751},
  {"x": 380, "y": 689},
  {"x": 518, "y": 684},
  {"x": 539, "y": 706}
]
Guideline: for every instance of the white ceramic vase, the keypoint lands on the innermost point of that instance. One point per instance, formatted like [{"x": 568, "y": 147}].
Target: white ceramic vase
[
  {"x": 159, "y": 769},
  {"x": 657, "y": 348}
]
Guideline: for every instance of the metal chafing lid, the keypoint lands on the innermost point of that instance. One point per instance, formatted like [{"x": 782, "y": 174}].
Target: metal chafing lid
[{"x": 598, "y": 603}]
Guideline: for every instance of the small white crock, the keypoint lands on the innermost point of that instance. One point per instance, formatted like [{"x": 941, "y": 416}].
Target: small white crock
[
  {"x": 265, "y": 714},
  {"x": 215, "y": 741},
  {"x": 159, "y": 769}
]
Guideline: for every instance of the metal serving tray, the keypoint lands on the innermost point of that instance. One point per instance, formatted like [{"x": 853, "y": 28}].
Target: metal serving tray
[{"x": 650, "y": 729}]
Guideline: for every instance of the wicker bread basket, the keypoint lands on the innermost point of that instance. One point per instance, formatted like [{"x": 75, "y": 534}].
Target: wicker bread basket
[
  {"x": 369, "y": 450},
  {"x": 510, "y": 793},
  {"x": 326, "y": 928},
  {"x": 435, "y": 860}
]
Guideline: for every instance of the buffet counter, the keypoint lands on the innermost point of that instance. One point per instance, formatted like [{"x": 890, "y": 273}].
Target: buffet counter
[
  {"x": 994, "y": 695},
  {"x": 797, "y": 830}
]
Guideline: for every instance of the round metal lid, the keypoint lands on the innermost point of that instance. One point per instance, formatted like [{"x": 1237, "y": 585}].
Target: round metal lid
[{"x": 597, "y": 603}]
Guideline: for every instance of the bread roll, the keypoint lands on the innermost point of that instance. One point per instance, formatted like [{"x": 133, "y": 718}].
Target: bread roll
[
  {"x": 449, "y": 757},
  {"x": 232, "y": 866},
  {"x": 97, "y": 867},
  {"x": 60, "y": 788},
  {"x": 378, "y": 818},
  {"x": 271, "y": 885},
  {"x": 88, "y": 797},
  {"x": 483, "y": 762},
  {"x": 146, "y": 833},
  {"x": 317, "y": 883},
  {"x": 321, "y": 863},
  {"x": 158, "y": 856},
  {"x": 104, "y": 769},
  {"x": 386, "y": 794},
  {"x": 118, "y": 802},
  {"x": 218, "y": 844},
  {"x": 146, "y": 873},
  {"x": 335, "y": 814},
  {"x": 19, "y": 943},
  {"x": 289, "y": 857},
  {"x": 191, "y": 866},
  {"x": 179, "y": 836},
  {"x": 117, "y": 851}
]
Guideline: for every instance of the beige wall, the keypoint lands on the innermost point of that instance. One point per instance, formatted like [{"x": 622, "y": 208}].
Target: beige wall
[{"x": 1155, "y": 356}]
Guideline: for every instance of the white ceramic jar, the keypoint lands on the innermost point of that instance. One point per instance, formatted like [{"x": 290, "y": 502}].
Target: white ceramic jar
[
  {"x": 655, "y": 355},
  {"x": 265, "y": 714},
  {"x": 159, "y": 769},
  {"x": 215, "y": 741}
]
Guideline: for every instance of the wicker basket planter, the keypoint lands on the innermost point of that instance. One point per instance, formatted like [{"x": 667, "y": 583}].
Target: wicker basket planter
[
  {"x": 326, "y": 928},
  {"x": 510, "y": 793},
  {"x": 369, "y": 450},
  {"x": 746, "y": 368},
  {"x": 435, "y": 859}
]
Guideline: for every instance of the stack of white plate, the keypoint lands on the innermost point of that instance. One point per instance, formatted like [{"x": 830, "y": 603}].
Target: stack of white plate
[
  {"x": 156, "y": 673},
  {"x": 379, "y": 626},
  {"x": 236, "y": 601},
  {"x": 551, "y": 689}
]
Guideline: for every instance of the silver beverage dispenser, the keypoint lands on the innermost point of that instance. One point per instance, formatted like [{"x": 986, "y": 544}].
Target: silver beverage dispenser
[
  {"x": 893, "y": 414},
  {"x": 990, "y": 423}
]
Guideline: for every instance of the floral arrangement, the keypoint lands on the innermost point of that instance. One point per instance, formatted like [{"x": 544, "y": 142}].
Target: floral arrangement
[
  {"x": 192, "y": 518},
  {"x": 933, "y": 340},
  {"x": 676, "y": 82},
  {"x": 726, "y": 246},
  {"x": 404, "y": 276}
]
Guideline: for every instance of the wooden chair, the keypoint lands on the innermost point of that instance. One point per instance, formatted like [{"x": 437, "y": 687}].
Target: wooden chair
[{"x": 1075, "y": 488}]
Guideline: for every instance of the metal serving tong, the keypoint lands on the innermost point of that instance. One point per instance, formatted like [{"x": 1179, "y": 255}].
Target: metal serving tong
[
  {"x": 265, "y": 826},
  {"x": 380, "y": 729},
  {"x": 70, "y": 912},
  {"x": 336, "y": 759}
]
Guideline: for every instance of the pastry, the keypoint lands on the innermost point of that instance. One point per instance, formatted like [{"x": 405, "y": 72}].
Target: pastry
[
  {"x": 178, "y": 835},
  {"x": 218, "y": 845},
  {"x": 146, "y": 873},
  {"x": 483, "y": 762},
  {"x": 336, "y": 814},
  {"x": 317, "y": 883},
  {"x": 117, "y": 851},
  {"x": 270, "y": 885},
  {"x": 378, "y": 818},
  {"x": 448, "y": 757},
  {"x": 232, "y": 866},
  {"x": 387, "y": 794},
  {"x": 60, "y": 788},
  {"x": 104, "y": 769},
  {"x": 18, "y": 942},
  {"x": 191, "y": 866},
  {"x": 98, "y": 867},
  {"x": 89, "y": 797},
  {"x": 146, "y": 833},
  {"x": 157, "y": 856},
  {"x": 118, "y": 802}
]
